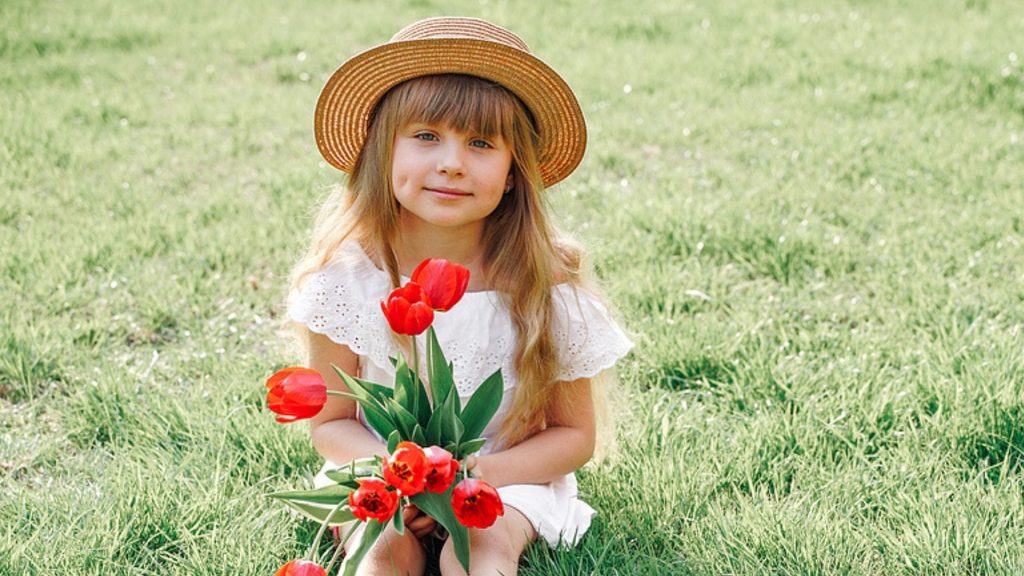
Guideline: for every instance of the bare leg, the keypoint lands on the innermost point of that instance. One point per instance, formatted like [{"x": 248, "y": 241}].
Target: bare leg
[{"x": 495, "y": 550}]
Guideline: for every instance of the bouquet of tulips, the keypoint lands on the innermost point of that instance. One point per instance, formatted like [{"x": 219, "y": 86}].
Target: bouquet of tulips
[{"x": 428, "y": 434}]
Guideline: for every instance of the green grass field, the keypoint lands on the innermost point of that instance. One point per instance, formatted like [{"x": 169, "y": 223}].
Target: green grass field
[{"x": 810, "y": 215}]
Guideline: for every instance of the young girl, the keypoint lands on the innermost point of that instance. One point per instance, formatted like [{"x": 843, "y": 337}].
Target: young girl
[{"x": 450, "y": 133}]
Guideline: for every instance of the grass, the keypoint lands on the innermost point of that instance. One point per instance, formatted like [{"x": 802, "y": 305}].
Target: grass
[{"x": 808, "y": 214}]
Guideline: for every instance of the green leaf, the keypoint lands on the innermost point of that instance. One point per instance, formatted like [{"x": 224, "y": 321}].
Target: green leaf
[
  {"x": 318, "y": 504},
  {"x": 376, "y": 391},
  {"x": 456, "y": 400},
  {"x": 380, "y": 421},
  {"x": 439, "y": 507},
  {"x": 371, "y": 533},
  {"x": 468, "y": 447},
  {"x": 419, "y": 437},
  {"x": 347, "y": 476},
  {"x": 434, "y": 428},
  {"x": 319, "y": 513},
  {"x": 405, "y": 393},
  {"x": 379, "y": 392},
  {"x": 482, "y": 405},
  {"x": 451, "y": 426},
  {"x": 327, "y": 495},
  {"x": 373, "y": 408},
  {"x": 393, "y": 439},
  {"x": 441, "y": 378},
  {"x": 405, "y": 421},
  {"x": 423, "y": 410},
  {"x": 377, "y": 417},
  {"x": 398, "y": 520},
  {"x": 410, "y": 391}
]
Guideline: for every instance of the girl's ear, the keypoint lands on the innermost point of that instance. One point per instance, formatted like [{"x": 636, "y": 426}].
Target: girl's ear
[{"x": 509, "y": 183}]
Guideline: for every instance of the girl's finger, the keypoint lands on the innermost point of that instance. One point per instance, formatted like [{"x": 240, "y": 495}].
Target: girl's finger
[
  {"x": 421, "y": 525},
  {"x": 409, "y": 513}
]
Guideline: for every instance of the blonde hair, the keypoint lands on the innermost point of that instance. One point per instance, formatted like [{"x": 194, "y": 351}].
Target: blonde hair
[{"x": 525, "y": 256}]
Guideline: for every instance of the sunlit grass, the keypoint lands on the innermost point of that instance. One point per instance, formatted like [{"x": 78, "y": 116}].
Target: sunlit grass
[{"x": 808, "y": 215}]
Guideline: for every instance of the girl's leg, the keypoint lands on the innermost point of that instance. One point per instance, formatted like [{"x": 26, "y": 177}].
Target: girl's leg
[
  {"x": 495, "y": 550},
  {"x": 392, "y": 554}
]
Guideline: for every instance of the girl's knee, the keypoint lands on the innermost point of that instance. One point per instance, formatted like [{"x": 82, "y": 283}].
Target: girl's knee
[{"x": 495, "y": 550}]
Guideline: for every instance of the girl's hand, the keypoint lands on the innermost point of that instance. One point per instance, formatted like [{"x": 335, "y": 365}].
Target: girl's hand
[
  {"x": 418, "y": 523},
  {"x": 473, "y": 466}
]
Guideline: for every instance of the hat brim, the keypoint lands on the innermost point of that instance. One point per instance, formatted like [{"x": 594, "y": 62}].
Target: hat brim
[{"x": 350, "y": 95}]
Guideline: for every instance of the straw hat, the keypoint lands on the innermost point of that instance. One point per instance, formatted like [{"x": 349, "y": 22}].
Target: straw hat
[{"x": 450, "y": 45}]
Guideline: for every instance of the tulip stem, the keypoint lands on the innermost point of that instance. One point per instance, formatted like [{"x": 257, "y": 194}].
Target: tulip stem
[
  {"x": 430, "y": 365},
  {"x": 415, "y": 365},
  {"x": 313, "y": 556},
  {"x": 341, "y": 547}
]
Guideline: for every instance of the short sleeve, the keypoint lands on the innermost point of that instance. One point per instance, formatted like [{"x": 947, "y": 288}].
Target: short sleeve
[
  {"x": 341, "y": 302},
  {"x": 587, "y": 338}
]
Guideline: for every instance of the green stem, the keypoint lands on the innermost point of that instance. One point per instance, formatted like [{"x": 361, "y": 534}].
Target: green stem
[
  {"x": 341, "y": 546},
  {"x": 415, "y": 364},
  {"x": 430, "y": 366},
  {"x": 323, "y": 528}
]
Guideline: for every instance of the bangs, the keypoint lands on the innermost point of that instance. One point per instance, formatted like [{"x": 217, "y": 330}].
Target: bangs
[{"x": 465, "y": 103}]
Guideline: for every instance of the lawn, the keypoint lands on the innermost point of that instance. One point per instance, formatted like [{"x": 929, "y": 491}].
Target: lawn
[{"x": 808, "y": 214}]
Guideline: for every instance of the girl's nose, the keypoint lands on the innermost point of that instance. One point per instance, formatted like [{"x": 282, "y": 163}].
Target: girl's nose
[{"x": 450, "y": 161}]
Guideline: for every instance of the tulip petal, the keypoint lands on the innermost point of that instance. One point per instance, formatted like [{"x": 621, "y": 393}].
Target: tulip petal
[
  {"x": 476, "y": 503},
  {"x": 444, "y": 282},
  {"x": 407, "y": 310},
  {"x": 301, "y": 568},
  {"x": 296, "y": 393}
]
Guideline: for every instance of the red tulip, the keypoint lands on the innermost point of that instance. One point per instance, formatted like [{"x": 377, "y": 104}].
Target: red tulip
[
  {"x": 476, "y": 503},
  {"x": 441, "y": 469},
  {"x": 300, "y": 568},
  {"x": 296, "y": 393},
  {"x": 406, "y": 469},
  {"x": 373, "y": 500},
  {"x": 444, "y": 282},
  {"x": 408, "y": 310}
]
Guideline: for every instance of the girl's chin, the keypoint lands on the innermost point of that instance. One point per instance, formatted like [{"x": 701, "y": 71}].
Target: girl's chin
[{"x": 440, "y": 220}]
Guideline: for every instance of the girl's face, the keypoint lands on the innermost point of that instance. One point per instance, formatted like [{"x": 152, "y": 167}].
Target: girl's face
[{"x": 449, "y": 178}]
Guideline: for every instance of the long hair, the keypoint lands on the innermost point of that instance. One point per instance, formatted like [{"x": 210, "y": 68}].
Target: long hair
[{"x": 525, "y": 256}]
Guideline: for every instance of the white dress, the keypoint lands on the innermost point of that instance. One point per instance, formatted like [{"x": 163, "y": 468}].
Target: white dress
[{"x": 342, "y": 302}]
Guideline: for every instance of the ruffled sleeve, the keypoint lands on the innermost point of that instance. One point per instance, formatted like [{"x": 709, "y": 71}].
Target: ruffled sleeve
[
  {"x": 341, "y": 301},
  {"x": 587, "y": 338}
]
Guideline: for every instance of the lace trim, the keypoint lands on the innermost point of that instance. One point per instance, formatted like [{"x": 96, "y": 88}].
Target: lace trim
[
  {"x": 589, "y": 341},
  {"x": 341, "y": 301}
]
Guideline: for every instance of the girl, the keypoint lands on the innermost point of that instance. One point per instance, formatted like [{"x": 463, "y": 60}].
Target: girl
[{"x": 450, "y": 133}]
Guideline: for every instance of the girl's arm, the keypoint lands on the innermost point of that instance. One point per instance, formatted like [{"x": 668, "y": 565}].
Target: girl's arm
[
  {"x": 336, "y": 433},
  {"x": 563, "y": 447}
]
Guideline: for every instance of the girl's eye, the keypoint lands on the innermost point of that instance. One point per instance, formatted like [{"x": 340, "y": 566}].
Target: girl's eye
[
  {"x": 478, "y": 143},
  {"x": 425, "y": 136}
]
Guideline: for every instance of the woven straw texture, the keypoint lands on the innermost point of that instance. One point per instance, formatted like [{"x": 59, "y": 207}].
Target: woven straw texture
[{"x": 452, "y": 46}]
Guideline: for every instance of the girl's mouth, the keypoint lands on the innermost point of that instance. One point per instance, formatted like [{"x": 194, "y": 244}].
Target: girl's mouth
[{"x": 448, "y": 192}]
